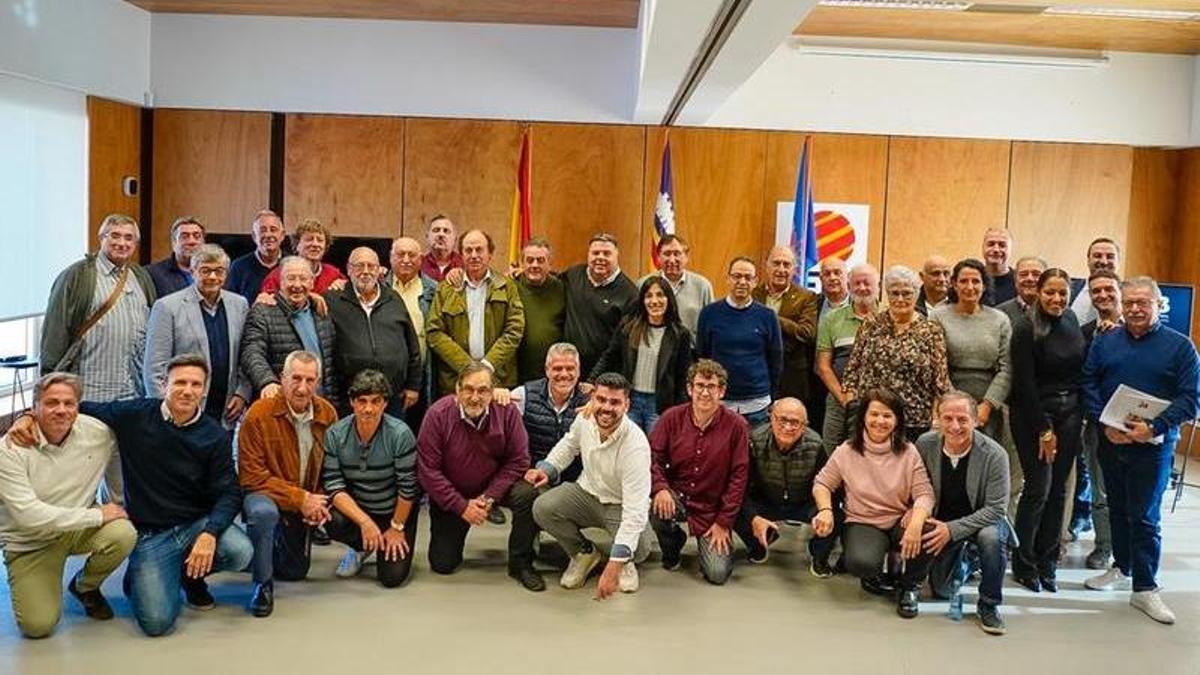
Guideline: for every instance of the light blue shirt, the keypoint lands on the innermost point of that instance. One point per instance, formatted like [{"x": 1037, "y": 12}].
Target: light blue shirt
[
  {"x": 306, "y": 327},
  {"x": 477, "y": 296}
]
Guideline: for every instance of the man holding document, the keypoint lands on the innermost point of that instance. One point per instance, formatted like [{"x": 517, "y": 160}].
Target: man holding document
[{"x": 1127, "y": 369}]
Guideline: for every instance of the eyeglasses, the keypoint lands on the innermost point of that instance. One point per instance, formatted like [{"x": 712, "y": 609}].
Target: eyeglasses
[
  {"x": 364, "y": 266},
  {"x": 901, "y": 293},
  {"x": 791, "y": 422},
  {"x": 706, "y": 386},
  {"x": 1140, "y": 304},
  {"x": 211, "y": 271}
]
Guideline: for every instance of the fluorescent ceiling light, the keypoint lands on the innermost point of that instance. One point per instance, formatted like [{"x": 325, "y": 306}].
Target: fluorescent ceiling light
[
  {"x": 947, "y": 52},
  {"x": 947, "y": 5},
  {"x": 1123, "y": 13}
]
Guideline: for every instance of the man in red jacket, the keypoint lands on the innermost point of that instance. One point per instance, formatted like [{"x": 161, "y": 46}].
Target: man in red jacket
[
  {"x": 471, "y": 456},
  {"x": 700, "y": 462}
]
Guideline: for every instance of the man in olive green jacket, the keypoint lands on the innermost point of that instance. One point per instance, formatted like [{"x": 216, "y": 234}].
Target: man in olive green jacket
[{"x": 481, "y": 318}]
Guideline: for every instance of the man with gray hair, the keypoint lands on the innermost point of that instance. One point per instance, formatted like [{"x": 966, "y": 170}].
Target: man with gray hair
[
  {"x": 796, "y": 308},
  {"x": 548, "y": 405},
  {"x": 48, "y": 510},
  {"x": 836, "y": 333},
  {"x": 202, "y": 319},
  {"x": 969, "y": 473},
  {"x": 1028, "y": 270},
  {"x": 544, "y": 298},
  {"x": 1136, "y": 457},
  {"x": 275, "y": 330},
  {"x": 174, "y": 273},
  {"x": 247, "y": 272}
]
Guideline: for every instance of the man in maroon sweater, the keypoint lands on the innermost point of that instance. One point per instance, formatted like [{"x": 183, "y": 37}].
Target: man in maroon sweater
[
  {"x": 471, "y": 456},
  {"x": 700, "y": 463}
]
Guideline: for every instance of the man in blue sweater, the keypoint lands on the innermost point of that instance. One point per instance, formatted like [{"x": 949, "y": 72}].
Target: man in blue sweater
[
  {"x": 181, "y": 492},
  {"x": 1136, "y": 461},
  {"x": 744, "y": 337}
]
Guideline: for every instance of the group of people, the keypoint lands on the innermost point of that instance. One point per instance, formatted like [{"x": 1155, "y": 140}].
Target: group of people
[{"x": 580, "y": 400}]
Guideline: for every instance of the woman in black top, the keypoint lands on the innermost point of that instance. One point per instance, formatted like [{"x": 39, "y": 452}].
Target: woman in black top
[
  {"x": 653, "y": 350},
  {"x": 1048, "y": 351}
]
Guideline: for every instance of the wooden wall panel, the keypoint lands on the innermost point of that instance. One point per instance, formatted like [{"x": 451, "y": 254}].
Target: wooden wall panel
[
  {"x": 846, "y": 169},
  {"x": 114, "y": 152},
  {"x": 214, "y": 165},
  {"x": 942, "y": 195},
  {"x": 465, "y": 169},
  {"x": 1185, "y": 264},
  {"x": 718, "y": 179},
  {"x": 1063, "y": 195},
  {"x": 587, "y": 178},
  {"x": 1150, "y": 243},
  {"x": 346, "y": 170}
]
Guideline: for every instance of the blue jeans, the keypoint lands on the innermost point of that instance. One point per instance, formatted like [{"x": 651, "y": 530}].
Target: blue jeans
[
  {"x": 156, "y": 570},
  {"x": 951, "y": 567},
  {"x": 1136, "y": 477},
  {"x": 643, "y": 410},
  {"x": 281, "y": 544}
]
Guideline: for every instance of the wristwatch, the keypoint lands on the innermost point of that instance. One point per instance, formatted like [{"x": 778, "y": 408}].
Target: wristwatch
[{"x": 399, "y": 527}]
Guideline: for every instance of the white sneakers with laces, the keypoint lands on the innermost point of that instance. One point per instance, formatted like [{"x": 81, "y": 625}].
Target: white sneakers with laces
[
  {"x": 579, "y": 568},
  {"x": 1112, "y": 580},
  {"x": 628, "y": 582}
]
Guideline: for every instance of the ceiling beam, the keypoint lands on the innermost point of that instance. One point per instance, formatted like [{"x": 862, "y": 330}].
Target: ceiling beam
[{"x": 670, "y": 34}]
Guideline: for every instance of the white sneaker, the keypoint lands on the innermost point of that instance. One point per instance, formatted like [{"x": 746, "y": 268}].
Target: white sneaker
[
  {"x": 1151, "y": 604},
  {"x": 351, "y": 564},
  {"x": 628, "y": 582},
  {"x": 1112, "y": 580},
  {"x": 579, "y": 568}
]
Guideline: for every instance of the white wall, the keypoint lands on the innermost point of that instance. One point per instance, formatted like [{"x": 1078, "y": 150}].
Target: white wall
[
  {"x": 394, "y": 67},
  {"x": 1136, "y": 99},
  {"x": 99, "y": 47}
]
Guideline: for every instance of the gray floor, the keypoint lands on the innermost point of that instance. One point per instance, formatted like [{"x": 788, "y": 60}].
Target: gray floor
[{"x": 768, "y": 619}]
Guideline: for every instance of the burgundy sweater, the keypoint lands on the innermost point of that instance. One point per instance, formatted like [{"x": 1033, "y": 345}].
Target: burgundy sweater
[
  {"x": 457, "y": 462},
  {"x": 707, "y": 468}
]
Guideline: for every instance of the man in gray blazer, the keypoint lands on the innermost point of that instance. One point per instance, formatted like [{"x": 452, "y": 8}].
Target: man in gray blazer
[
  {"x": 969, "y": 473},
  {"x": 203, "y": 319}
]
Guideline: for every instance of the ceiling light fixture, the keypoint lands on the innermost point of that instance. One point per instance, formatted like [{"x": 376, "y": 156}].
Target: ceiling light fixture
[
  {"x": 947, "y": 52},
  {"x": 944, "y": 5},
  {"x": 1124, "y": 13}
]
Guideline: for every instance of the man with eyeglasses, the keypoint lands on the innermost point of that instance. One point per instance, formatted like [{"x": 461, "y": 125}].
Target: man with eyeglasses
[
  {"x": 373, "y": 330},
  {"x": 785, "y": 457},
  {"x": 202, "y": 319},
  {"x": 1136, "y": 460},
  {"x": 743, "y": 336}
]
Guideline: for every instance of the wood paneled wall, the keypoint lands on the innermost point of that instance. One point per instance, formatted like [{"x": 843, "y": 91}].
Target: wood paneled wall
[
  {"x": 380, "y": 176},
  {"x": 115, "y": 153},
  {"x": 214, "y": 165}
]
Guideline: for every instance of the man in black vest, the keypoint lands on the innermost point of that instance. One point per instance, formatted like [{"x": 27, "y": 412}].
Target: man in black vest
[{"x": 548, "y": 405}]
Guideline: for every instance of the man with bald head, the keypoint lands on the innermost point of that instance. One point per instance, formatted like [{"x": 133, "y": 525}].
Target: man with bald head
[
  {"x": 785, "y": 457},
  {"x": 374, "y": 331},
  {"x": 796, "y": 308},
  {"x": 481, "y": 319},
  {"x": 935, "y": 284},
  {"x": 835, "y": 289}
]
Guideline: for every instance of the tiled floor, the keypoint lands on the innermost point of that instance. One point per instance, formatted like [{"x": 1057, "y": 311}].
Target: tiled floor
[{"x": 769, "y": 619}]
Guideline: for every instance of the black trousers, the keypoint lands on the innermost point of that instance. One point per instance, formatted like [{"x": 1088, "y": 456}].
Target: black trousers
[
  {"x": 448, "y": 532},
  {"x": 1040, "y": 511},
  {"x": 390, "y": 573}
]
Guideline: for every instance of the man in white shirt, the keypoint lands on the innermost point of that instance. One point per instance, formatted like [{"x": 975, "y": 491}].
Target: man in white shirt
[
  {"x": 613, "y": 492},
  {"x": 1102, "y": 254},
  {"x": 48, "y": 510}
]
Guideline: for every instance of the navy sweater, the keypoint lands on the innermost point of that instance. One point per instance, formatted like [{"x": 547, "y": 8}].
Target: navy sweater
[
  {"x": 747, "y": 342},
  {"x": 1161, "y": 363},
  {"x": 173, "y": 475}
]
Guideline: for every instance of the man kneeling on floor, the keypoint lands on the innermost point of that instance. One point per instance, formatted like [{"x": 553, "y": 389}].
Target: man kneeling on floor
[
  {"x": 472, "y": 454},
  {"x": 370, "y": 477},
  {"x": 281, "y": 444},
  {"x": 785, "y": 457},
  {"x": 612, "y": 492},
  {"x": 181, "y": 492},
  {"x": 969, "y": 473},
  {"x": 48, "y": 510}
]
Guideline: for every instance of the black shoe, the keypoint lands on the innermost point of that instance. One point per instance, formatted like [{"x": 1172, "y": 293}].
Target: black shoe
[
  {"x": 990, "y": 621},
  {"x": 319, "y": 536},
  {"x": 758, "y": 555},
  {"x": 195, "y": 593},
  {"x": 529, "y": 578},
  {"x": 878, "y": 585},
  {"x": 1049, "y": 584},
  {"x": 262, "y": 603},
  {"x": 820, "y": 568},
  {"x": 672, "y": 557},
  {"x": 1098, "y": 560},
  {"x": 1032, "y": 583},
  {"x": 907, "y": 607},
  {"x": 94, "y": 604},
  {"x": 496, "y": 516}
]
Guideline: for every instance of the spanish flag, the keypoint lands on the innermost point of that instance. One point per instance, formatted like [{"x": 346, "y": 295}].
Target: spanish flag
[{"x": 520, "y": 227}]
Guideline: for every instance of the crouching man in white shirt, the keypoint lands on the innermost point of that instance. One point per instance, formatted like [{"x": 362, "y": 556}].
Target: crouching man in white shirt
[{"x": 613, "y": 492}]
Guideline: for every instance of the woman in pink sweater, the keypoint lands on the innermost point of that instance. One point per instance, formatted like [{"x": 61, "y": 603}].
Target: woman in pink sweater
[{"x": 888, "y": 498}]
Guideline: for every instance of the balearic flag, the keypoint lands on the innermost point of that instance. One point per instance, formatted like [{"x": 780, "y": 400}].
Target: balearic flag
[
  {"x": 664, "y": 206},
  {"x": 520, "y": 228},
  {"x": 804, "y": 225}
]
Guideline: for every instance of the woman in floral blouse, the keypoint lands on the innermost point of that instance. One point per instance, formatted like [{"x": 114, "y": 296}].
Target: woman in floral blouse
[{"x": 899, "y": 350}]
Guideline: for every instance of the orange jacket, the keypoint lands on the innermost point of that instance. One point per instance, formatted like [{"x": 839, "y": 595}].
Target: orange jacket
[{"x": 268, "y": 460}]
